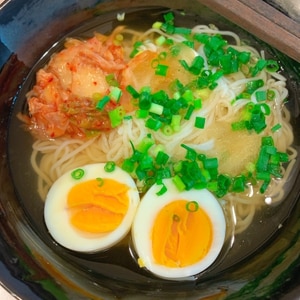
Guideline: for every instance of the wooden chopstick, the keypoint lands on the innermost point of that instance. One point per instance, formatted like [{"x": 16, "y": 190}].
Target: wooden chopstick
[{"x": 263, "y": 21}]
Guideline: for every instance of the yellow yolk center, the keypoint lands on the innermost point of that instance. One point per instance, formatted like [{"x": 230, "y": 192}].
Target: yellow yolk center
[
  {"x": 98, "y": 206},
  {"x": 181, "y": 235}
]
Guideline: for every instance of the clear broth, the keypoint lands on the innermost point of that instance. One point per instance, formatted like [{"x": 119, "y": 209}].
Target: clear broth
[{"x": 118, "y": 262}]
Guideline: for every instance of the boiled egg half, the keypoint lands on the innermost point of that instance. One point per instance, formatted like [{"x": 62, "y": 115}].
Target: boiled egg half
[
  {"x": 89, "y": 209},
  {"x": 178, "y": 234}
]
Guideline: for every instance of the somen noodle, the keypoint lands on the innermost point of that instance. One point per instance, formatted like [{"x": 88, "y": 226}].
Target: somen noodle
[{"x": 225, "y": 107}]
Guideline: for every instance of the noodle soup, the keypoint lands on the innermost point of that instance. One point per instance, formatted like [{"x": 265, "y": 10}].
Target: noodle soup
[{"x": 194, "y": 105}]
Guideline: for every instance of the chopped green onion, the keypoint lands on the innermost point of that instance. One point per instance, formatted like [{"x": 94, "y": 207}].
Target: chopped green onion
[
  {"x": 145, "y": 144},
  {"x": 215, "y": 76},
  {"x": 238, "y": 185},
  {"x": 189, "y": 112},
  {"x": 175, "y": 122},
  {"x": 270, "y": 149},
  {"x": 275, "y": 170},
  {"x": 253, "y": 85},
  {"x": 110, "y": 166},
  {"x": 131, "y": 90},
  {"x": 263, "y": 176},
  {"x": 128, "y": 165},
  {"x": 100, "y": 181},
  {"x": 268, "y": 162},
  {"x": 154, "y": 63},
  {"x": 271, "y": 95},
  {"x": 244, "y": 57},
  {"x": 203, "y": 93},
  {"x": 141, "y": 174},
  {"x": 274, "y": 159},
  {"x": 141, "y": 113},
  {"x": 77, "y": 173},
  {"x": 101, "y": 104},
  {"x": 201, "y": 37},
  {"x": 243, "y": 96},
  {"x": 259, "y": 66},
  {"x": 160, "y": 97},
  {"x": 197, "y": 103},
  {"x": 184, "y": 64},
  {"x": 211, "y": 163},
  {"x": 264, "y": 186},
  {"x": 115, "y": 94},
  {"x": 175, "y": 50},
  {"x": 192, "y": 206},
  {"x": 200, "y": 122},
  {"x": 162, "y": 158},
  {"x": 168, "y": 28},
  {"x": 178, "y": 183},
  {"x": 265, "y": 109},
  {"x": 197, "y": 65},
  {"x": 162, "y": 55},
  {"x": 191, "y": 154},
  {"x": 169, "y": 17},
  {"x": 168, "y": 130},
  {"x": 267, "y": 141},
  {"x": 177, "y": 167},
  {"x": 188, "y": 95},
  {"x": 153, "y": 124},
  {"x": 135, "y": 50},
  {"x": 240, "y": 125},
  {"x": 250, "y": 167},
  {"x": 283, "y": 156},
  {"x": 163, "y": 173},
  {"x": 272, "y": 66},
  {"x": 226, "y": 63},
  {"x": 169, "y": 42},
  {"x": 212, "y": 85},
  {"x": 217, "y": 42},
  {"x": 157, "y": 25},
  {"x": 146, "y": 163},
  {"x": 257, "y": 122},
  {"x": 212, "y": 186},
  {"x": 182, "y": 30},
  {"x": 190, "y": 44},
  {"x": 150, "y": 180},
  {"x": 161, "y": 70},
  {"x": 276, "y": 127},
  {"x": 116, "y": 116},
  {"x": 156, "y": 108},
  {"x": 263, "y": 160},
  {"x": 160, "y": 40},
  {"x": 224, "y": 183},
  {"x": 111, "y": 80},
  {"x": 261, "y": 96},
  {"x": 128, "y": 117},
  {"x": 162, "y": 191},
  {"x": 145, "y": 100}
]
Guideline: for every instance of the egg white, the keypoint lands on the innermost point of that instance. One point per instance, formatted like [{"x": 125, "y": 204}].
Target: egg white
[
  {"x": 147, "y": 211},
  {"x": 57, "y": 217}
]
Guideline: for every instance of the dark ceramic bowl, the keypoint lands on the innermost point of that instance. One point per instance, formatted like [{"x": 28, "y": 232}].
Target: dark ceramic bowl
[{"x": 263, "y": 264}]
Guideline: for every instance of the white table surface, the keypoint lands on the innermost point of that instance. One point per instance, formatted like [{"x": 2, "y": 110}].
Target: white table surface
[{"x": 4, "y": 295}]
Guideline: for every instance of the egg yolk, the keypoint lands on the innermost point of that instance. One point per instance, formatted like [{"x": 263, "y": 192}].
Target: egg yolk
[
  {"x": 181, "y": 234},
  {"x": 98, "y": 205}
]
